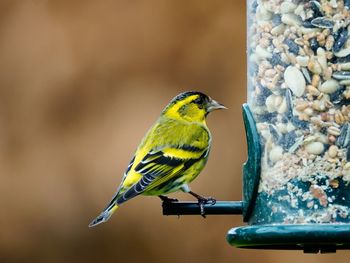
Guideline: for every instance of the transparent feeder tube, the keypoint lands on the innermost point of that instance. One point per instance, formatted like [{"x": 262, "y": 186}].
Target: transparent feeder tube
[{"x": 299, "y": 91}]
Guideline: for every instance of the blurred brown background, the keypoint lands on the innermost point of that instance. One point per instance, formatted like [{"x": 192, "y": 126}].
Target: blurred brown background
[{"x": 80, "y": 83}]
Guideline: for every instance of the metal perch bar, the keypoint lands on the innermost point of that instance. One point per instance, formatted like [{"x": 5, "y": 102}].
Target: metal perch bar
[{"x": 192, "y": 208}]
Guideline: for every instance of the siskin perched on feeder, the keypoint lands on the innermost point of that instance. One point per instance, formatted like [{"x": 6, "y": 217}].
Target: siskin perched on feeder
[{"x": 171, "y": 155}]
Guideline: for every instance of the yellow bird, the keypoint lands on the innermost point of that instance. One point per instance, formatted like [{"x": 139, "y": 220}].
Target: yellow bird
[{"x": 171, "y": 155}]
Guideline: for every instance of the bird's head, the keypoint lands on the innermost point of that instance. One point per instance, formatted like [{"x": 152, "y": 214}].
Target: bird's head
[{"x": 191, "y": 106}]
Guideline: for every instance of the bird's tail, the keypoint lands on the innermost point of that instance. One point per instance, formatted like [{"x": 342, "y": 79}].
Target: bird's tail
[{"x": 105, "y": 215}]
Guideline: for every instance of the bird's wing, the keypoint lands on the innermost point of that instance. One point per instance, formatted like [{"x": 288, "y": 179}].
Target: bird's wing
[
  {"x": 125, "y": 175},
  {"x": 115, "y": 196},
  {"x": 161, "y": 165}
]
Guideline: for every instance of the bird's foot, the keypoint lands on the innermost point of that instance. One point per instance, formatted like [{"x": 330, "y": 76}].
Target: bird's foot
[
  {"x": 167, "y": 199},
  {"x": 203, "y": 201}
]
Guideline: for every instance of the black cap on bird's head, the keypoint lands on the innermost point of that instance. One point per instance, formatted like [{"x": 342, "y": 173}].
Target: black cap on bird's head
[{"x": 192, "y": 106}]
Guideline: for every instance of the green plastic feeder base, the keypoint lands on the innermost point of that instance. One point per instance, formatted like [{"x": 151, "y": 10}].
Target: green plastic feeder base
[{"x": 312, "y": 238}]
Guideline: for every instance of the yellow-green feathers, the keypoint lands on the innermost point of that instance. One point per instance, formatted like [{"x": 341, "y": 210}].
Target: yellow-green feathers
[
  {"x": 186, "y": 109},
  {"x": 172, "y": 153}
]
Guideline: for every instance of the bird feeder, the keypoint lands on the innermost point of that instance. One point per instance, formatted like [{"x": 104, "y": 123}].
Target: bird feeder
[{"x": 296, "y": 181}]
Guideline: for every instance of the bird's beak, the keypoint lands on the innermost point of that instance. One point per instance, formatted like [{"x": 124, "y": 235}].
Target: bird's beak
[{"x": 214, "y": 105}]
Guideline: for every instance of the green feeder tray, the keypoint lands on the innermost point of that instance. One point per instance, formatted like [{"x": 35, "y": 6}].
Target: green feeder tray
[{"x": 312, "y": 238}]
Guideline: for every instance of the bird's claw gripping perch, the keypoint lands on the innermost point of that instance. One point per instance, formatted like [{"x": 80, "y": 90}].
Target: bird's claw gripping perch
[{"x": 202, "y": 201}]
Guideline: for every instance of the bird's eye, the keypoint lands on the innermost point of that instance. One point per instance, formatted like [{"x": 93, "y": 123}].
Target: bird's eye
[{"x": 199, "y": 101}]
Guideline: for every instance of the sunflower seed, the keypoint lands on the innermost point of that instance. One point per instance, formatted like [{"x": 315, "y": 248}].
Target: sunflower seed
[
  {"x": 274, "y": 132},
  {"x": 276, "y": 59},
  {"x": 299, "y": 123},
  {"x": 306, "y": 75},
  {"x": 316, "y": 8},
  {"x": 337, "y": 97},
  {"x": 287, "y": 140},
  {"x": 322, "y": 22},
  {"x": 344, "y": 137},
  {"x": 292, "y": 46},
  {"x": 289, "y": 101},
  {"x": 339, "y": 60},
  {"x": 276, "y": 20},
  {"x": 307, "y": 24},
  {"x": 341, "y": 75},
  {"x": 340, "y": 40},
  {"x": 262, "y": 94},
  {"x": 314, "y": 44},
  {"x": 267, "y": 117}
]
